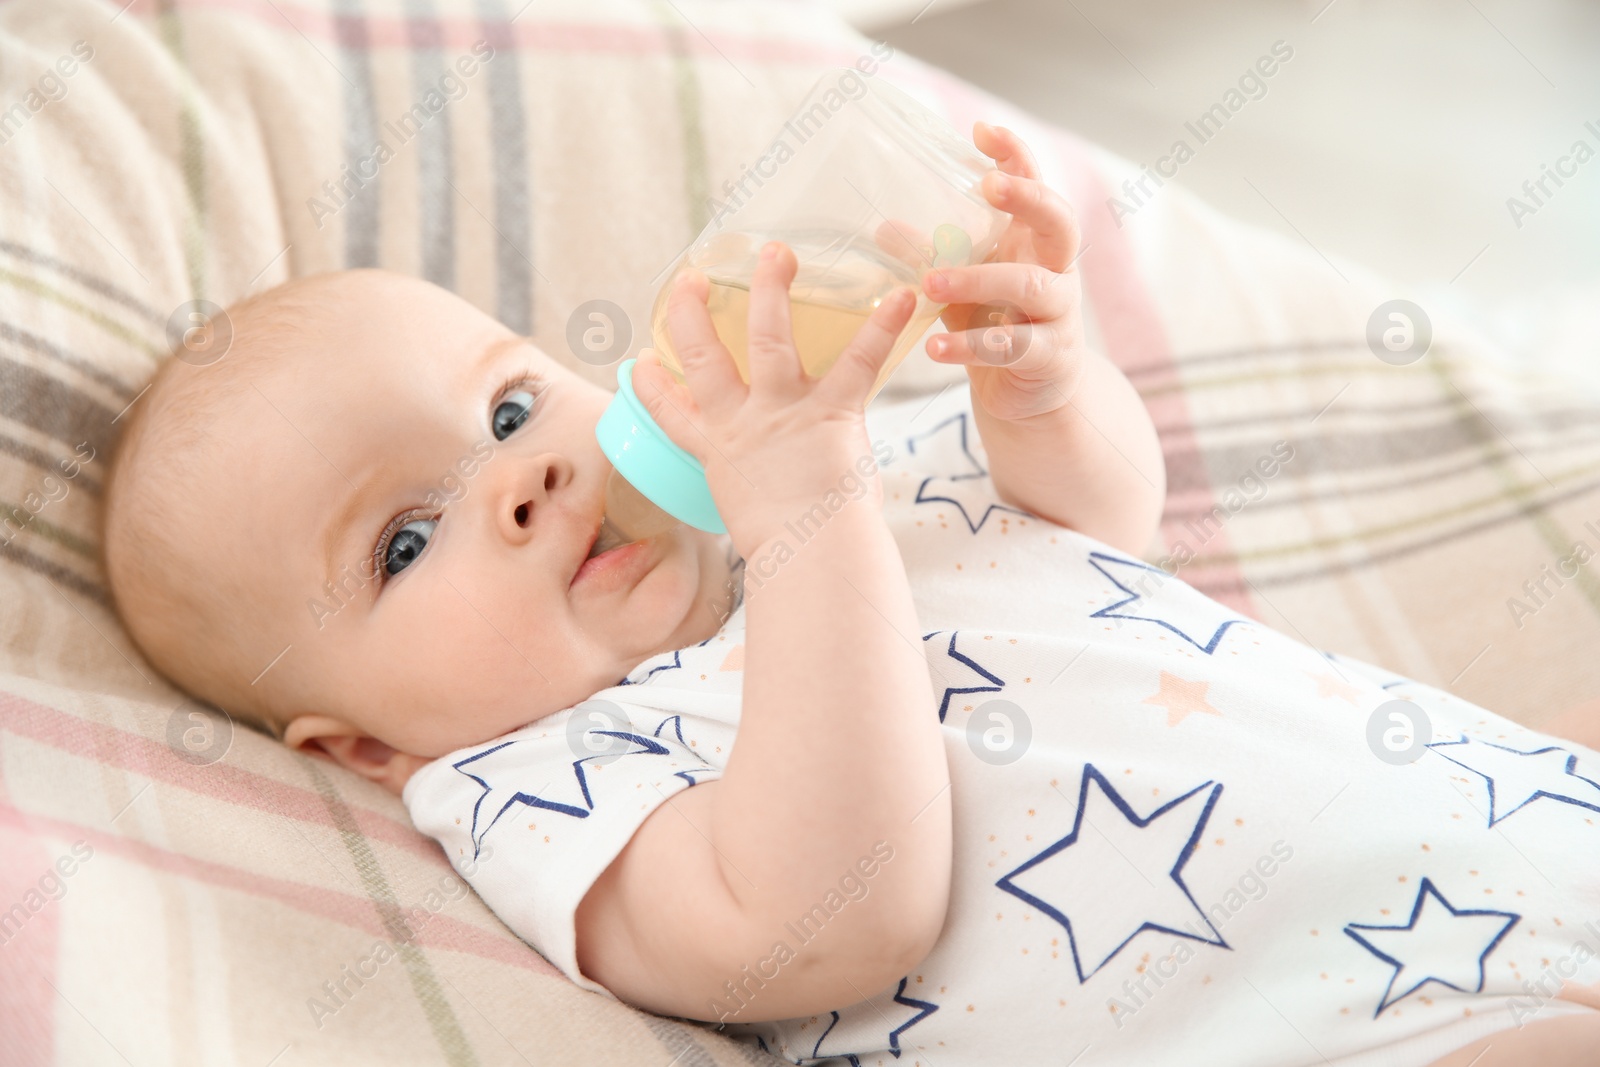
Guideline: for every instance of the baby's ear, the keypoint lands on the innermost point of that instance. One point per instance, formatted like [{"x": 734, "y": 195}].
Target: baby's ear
[{"x": 353, "y": 749}]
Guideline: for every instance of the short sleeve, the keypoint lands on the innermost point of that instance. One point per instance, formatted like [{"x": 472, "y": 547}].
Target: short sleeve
[{"x": 531, "y": 819}]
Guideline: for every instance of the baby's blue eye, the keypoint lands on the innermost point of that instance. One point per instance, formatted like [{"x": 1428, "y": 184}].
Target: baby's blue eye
[
  {"x": 407, "y": 544},
  {"x": 511, "y": 413}
]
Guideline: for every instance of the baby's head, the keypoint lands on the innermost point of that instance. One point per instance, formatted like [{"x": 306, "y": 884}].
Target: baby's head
[{"x": 360, "y": 528}]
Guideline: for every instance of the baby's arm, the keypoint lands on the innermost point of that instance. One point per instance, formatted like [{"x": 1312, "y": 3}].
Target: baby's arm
[
  {"x": 1093, "y": 465},
  {"x": 839, "y": 767},
  {"x": 1068, "y": 437}
]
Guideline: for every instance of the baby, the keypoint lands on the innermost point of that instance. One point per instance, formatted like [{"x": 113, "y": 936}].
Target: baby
[{"x": 919, "y": 762}]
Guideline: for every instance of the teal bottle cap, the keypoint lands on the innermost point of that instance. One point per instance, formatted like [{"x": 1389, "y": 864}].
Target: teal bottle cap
[{"x": 669, "y": 477}]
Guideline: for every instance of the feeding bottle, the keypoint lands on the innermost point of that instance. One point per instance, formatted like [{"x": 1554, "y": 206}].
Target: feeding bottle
[{"x": 871, "y": 190}]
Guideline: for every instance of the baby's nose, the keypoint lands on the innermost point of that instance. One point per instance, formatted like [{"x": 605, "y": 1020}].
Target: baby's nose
[
  {"x": 522, "y": 513},
  {"x": 524, "y": 489}
]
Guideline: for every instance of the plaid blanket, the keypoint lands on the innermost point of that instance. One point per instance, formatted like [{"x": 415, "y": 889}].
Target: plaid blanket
[{"x": 176, "y": 889}]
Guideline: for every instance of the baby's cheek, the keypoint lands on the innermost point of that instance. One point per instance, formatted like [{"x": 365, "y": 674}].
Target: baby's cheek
[
  {"x": 422, "y": 649},
  {"x": 526, "y": 666}
]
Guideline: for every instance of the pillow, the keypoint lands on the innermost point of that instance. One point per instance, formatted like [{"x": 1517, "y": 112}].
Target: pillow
[{"x": 174, "y": 887}]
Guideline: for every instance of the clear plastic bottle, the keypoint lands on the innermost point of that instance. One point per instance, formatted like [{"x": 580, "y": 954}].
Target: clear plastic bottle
[
  {"x": 871, "y": 190},
  {"x": 839, "y": 281},
  {"x": 630, "y": 516}
]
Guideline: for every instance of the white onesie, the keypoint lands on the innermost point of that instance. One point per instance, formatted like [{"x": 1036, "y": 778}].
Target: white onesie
[{"x": 1181, "y": 837}]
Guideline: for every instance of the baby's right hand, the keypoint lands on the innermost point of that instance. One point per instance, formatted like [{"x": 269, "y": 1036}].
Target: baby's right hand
[{"x": 773, "y": 449}]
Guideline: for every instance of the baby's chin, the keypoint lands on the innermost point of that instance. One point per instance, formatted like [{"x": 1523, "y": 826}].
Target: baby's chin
[
  {"x": 690, "y": 585},
  {"x": 682, "y": 600}
]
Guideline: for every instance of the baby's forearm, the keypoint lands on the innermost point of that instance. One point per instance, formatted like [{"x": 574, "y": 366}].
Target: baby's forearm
[
  {"x": 1093, "y": 465},
  {"x": 839, "y": 746}
]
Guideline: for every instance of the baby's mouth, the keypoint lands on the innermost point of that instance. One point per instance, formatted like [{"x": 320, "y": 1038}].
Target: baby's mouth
[{"x": 606, "y": 539}]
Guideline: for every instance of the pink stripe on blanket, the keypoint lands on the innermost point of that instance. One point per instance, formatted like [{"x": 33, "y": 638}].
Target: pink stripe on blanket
[
  {"x": 437, "y": 931},
  {"x": 1128, "y": 316},
  {"x": 30, "y": 940},
  {"x": 528, "y": 33},
  {"x": 118, "y": 748},
  {"x": 1130, "y": 323}
]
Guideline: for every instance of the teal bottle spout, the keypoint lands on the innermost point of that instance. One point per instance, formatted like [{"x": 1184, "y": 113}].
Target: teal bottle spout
[{"x": 642, "y": 453}]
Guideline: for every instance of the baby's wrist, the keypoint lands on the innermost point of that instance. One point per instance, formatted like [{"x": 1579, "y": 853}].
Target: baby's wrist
[
  {"x": 768, "y": 545},
  {"x": 845, "y": 485}
]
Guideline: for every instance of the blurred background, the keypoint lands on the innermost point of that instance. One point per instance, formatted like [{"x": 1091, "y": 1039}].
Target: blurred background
[{"x": 1394, "y": 136}]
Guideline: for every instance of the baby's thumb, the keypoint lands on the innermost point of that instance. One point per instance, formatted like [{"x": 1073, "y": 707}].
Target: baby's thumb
[{"x": 670, "y": 403}]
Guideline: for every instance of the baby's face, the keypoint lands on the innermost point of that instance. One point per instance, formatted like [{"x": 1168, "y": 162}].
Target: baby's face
[{"x": 412, "y": 499}]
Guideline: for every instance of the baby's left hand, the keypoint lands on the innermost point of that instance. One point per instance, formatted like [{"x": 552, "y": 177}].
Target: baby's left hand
[{"x": 1015, "y": 319}]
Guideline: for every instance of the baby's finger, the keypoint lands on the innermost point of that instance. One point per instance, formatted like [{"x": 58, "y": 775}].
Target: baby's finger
[
  {"x": 669, "y": 403},
  {"x": 1043, "y": 210},
  {"x": 1007, "y": 150},
  {"x": 1036, "y": 292},
  {"x": 851, "y": 378},
  {"x": 774, "y": 363},
  {"x": 708, "y": 368},
  {"x": 1002, "y": 341}
]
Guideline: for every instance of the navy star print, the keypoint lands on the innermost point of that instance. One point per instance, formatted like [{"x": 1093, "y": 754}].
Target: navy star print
[
  {"x": 677, "y": 659},
  {"x": 1446, "y": 945},
  {"x": 1099, "y": 560},
  {"x": 485, "y": 764},
  {"x": 677, "y": 663},
  {"x": 967, "y": 485},
  {"x": 816, "y": 1050},
  {"x": 923, "y": 1008},
  {"x": 969, "y": 664},
  {"x": 676, "y": 722},
  {"x": 1090, "y": 885},
  {"x": 1516, "y": 779}
]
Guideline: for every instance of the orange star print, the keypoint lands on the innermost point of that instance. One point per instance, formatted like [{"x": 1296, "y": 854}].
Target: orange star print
[
  {"x": 1329, "y": 686},
  {"x": 1182, "y": 698}
]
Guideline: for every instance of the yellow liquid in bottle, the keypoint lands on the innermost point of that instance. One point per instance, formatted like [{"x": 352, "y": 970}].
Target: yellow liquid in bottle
[
  {"x": 630, "y": 516},
  {"x": 838, "y": 284}
]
